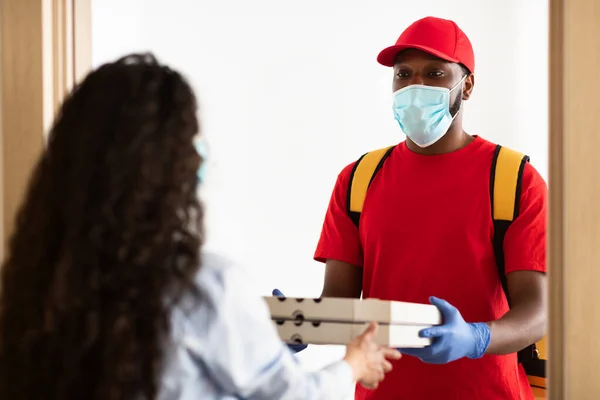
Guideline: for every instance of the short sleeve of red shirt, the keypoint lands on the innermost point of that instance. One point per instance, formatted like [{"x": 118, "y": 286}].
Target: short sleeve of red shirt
[
  {"x": 525, "y": 240},
  {"x": 339, "y": 237}
]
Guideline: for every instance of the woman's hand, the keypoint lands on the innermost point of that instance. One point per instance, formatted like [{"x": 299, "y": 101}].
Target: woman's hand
[{"x": 368, "y": 360}]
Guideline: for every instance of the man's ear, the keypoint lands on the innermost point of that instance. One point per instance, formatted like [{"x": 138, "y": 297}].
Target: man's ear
[{"x": 468, "y": 86}]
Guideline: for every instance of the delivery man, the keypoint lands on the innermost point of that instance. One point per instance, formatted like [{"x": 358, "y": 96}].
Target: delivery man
[{"x": 425, "y": 233}]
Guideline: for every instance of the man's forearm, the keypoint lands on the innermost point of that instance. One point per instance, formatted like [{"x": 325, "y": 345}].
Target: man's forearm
[
  {"x": 342, "y": 280},
  {"x": 517, "y": 329}
]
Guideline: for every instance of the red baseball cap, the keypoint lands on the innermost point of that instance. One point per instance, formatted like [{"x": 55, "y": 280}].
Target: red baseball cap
[{"x": 439, "y": 37}]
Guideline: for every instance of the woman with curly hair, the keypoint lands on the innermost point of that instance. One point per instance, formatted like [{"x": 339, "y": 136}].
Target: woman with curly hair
[{"x": 103, "y": 296}]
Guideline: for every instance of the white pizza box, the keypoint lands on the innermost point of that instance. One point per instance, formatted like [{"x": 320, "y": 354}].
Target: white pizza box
[
  {"x": 340, "y": 333},
  {"x": 353, "y": 310}
]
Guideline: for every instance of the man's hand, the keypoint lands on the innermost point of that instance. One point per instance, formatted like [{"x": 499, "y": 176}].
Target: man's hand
[
  {"x": 452, "y": 340},
  {"x": 294, "y": 348}
]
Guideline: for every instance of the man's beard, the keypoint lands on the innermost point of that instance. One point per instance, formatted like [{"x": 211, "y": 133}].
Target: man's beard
[{"x": 455, "y": 106}]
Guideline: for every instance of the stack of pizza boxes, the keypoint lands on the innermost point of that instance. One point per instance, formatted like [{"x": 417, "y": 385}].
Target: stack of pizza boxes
[{"x": 334, "y": 321}]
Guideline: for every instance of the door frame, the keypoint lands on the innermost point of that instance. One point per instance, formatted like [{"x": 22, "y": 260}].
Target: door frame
[
  {"x": 45, "y": 47},
  {"x": 574, "y": 240}
]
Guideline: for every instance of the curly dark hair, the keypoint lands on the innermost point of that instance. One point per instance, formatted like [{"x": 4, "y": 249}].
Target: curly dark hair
[{"x": 106, "y": 242}]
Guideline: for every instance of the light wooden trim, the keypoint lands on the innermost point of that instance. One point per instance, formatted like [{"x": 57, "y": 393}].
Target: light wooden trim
[
  {"x": 574, "y": 351},
  {"x": 2, "y": 240},
  {"x": 556, "y": 259},
  {"x": 40, "y": 61},
  {"x": 82, "y": 39},
  {"x": 23, "y": 90},
  {"x": 62, "y": 40}
]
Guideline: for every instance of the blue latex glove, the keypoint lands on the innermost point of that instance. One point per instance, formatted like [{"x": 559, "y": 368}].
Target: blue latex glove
[
  {"x": 294, "y": 348},
  {"x": 452, "y": 340}
]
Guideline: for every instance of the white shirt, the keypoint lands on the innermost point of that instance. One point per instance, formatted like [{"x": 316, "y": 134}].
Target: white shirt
[{"x": 224, "y": 346}]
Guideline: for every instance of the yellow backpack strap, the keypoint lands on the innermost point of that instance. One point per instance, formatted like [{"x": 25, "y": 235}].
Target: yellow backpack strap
[
  {"x": 505, "y": 183},
  {"x": 361, "y": 177},
  {"x": 505, "y": 189}
]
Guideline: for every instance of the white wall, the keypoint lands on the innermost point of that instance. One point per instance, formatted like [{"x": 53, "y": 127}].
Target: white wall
[{"x": 291, "y": 92}]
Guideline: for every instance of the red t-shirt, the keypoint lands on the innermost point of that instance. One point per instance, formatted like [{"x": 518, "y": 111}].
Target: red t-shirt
[{"x": 426, "y": 230}]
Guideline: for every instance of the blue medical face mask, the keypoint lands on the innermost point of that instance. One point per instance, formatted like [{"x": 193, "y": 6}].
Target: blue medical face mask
[
  {"x": 202, "y": 150},
  {"x": 423, "y": 112}
]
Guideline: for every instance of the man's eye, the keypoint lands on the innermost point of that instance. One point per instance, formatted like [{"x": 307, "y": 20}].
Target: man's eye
[
  {"x": 402, "y": 74},
  {"x": 436, "y": 73}
]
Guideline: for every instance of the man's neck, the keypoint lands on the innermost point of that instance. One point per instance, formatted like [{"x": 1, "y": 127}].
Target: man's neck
[{"x": 454, "y": 139}]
